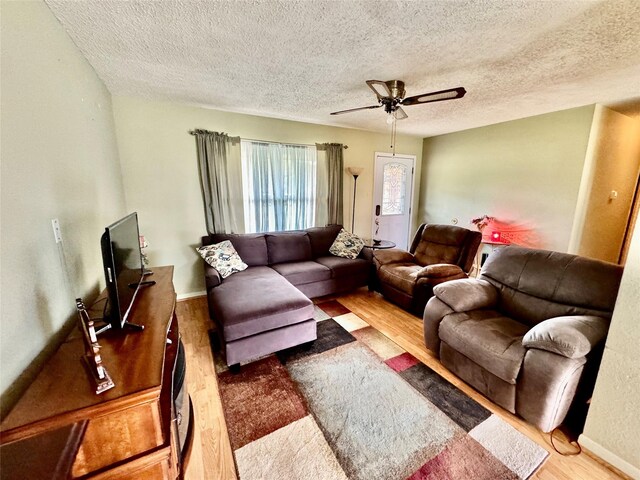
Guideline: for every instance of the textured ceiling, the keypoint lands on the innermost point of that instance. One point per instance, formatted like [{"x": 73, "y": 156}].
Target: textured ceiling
[{"x": 301, "y": 60}]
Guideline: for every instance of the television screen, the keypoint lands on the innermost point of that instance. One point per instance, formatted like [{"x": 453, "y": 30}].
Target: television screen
[{"x": 123, "y": 267}]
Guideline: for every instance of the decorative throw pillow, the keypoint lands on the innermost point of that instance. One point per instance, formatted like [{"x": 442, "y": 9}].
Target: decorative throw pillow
[
  {"x": 346, "y": 245},
  {"x": 223, "y": 257}
]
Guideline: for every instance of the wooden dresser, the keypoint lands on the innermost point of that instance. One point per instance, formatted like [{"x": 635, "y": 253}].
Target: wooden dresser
[{"x": 61, "y": 429}]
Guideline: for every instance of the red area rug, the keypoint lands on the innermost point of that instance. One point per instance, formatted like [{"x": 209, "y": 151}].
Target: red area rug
[{"x": 356, "y": 405}]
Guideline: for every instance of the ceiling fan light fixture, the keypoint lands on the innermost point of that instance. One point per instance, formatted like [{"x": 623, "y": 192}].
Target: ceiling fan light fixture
[{"x": 391, "y": 118}]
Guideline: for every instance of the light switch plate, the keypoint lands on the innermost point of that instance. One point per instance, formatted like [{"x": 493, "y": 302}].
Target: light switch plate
[{"x": 56, "y": 230}]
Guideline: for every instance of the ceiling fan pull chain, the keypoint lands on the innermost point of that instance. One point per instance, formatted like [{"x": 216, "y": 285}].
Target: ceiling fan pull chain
[{"x": 393, "y": 138}]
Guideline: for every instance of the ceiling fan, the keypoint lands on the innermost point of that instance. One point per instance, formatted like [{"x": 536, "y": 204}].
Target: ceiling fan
[{"x": 390, "y": 95}]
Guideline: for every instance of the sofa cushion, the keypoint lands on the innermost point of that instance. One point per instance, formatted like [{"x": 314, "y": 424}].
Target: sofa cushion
[
  {"x": 299, "y": 273},
  {"x": 322, "y": 238},
  {"x": 401, "y": 276},
  {"x": 223, "y": 257},
  {"x": 288, "y": 247},
  {"x": 490, "y": 340},
  {"x": 211, "y": 277},
  {"x": 257, "y": 300},
  {"x": 252, "y": 248},
  {"x": 341, "y": 267},
  {"x": 250, "y": 274}
]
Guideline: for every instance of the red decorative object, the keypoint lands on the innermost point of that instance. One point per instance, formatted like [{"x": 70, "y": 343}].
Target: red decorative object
[
  {"x": 500, "y": 233},
  {"x": 496, "y": 232}
]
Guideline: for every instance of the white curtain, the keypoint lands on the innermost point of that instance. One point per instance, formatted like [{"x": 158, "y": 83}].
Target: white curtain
[{"x": 279, "y": 184}]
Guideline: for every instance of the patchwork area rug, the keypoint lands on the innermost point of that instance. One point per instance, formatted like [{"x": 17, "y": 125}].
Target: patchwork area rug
[{"x": 356, "y": 405}]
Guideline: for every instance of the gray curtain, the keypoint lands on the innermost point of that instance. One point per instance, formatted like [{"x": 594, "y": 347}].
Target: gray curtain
[
  {"x": 335, "y": 166},
  {"x": 215, "y": 158}
]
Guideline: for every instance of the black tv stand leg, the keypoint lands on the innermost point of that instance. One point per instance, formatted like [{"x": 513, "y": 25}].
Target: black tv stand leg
[
  {"x": 146, "y": 273},
  {"x": 133, "y": 326}
]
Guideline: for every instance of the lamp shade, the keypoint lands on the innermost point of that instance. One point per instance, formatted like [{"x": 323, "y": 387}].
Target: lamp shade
[{"x": 355, "y": 171}]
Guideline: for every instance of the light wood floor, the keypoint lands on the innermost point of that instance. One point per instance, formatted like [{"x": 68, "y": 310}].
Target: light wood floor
[{"x": 211, "y": 456}]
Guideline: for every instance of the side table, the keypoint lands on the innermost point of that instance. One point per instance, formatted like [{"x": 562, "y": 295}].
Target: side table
[
  {"x": 377, "y": 245},
  {"x": 380, "y": 244}
]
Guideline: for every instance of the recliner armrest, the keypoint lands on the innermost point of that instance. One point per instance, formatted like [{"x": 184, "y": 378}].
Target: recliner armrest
[
  {"x": 440, "y": 270},
  {"x": 438, "y": 273},
  {"x": 467, "y": 294},
  {"x": 572, "y": 336},
  {"x": 392, "y": 255}
]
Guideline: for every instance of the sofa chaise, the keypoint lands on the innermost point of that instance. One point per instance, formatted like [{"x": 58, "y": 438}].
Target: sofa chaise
[{"x": 267, "y": 307}]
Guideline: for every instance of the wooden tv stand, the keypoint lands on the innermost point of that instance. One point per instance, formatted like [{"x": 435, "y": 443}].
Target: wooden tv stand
[{"x": 61, "y": 429}]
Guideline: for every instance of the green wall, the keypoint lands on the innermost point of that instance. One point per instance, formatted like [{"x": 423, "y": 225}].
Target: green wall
[
  {"x": 160, "y": 172},
  {"x": 59, "y": 160},
  {"x": 526, "y": 172}
]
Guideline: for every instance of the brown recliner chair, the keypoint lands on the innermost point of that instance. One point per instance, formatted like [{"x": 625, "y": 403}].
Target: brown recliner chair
[
  {"x": 528, "y": 332},
  {"x": 438, "y": 253}
]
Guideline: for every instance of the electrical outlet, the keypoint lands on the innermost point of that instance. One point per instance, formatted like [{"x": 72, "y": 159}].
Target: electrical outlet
[{"x": 56, "y": 230}]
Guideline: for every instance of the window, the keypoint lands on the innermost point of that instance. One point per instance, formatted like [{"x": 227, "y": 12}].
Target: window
[
  {"x": 393, "y": 188},
  {"x": 279, "y": 184}
]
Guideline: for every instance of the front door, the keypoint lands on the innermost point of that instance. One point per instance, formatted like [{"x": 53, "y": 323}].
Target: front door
[{"x": 393, "y": 197}]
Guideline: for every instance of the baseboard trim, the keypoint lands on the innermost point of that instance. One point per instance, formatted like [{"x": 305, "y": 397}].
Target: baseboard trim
[
  {"x": 186, "y": 296},
  {"x": 600, "y": 453}
]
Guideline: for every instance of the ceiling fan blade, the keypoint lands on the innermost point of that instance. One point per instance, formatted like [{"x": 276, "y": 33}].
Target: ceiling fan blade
[
  {"x": 355, "y": 109},
  {"x": 381, "y": 89},
  {"x": 440, "y": 96},
  {"x": 400, "y": 114}
]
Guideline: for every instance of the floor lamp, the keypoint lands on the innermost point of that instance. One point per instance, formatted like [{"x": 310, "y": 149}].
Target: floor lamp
[{"x": 355, "y": 171}]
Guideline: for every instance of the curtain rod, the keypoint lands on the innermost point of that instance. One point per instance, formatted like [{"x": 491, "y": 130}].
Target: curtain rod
[
  {"x": 193, "y": 132},
  {"x": 286, "y": 143}
]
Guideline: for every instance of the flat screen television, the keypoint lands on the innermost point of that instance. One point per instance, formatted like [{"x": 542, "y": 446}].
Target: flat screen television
[{"x": 123, "y": 270}]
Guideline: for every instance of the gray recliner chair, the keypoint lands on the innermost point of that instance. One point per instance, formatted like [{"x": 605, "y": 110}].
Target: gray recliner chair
[{"x": 529, "y": 332}]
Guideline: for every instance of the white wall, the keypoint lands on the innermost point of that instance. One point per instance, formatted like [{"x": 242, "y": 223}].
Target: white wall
[
  {"x": 611, "y": 164},
  {"x": 160, "y": 172},
  {"x": 527, "y": 172},
  {"x": 613, "y": 423},
  {"x": 59, "y": 160}
]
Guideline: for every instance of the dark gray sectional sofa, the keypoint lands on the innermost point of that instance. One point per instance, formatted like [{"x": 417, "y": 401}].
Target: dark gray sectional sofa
[{"x": 266, "y": 308}]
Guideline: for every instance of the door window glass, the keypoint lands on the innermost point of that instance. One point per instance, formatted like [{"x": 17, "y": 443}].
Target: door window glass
[{"x": 394, "y": 180}]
